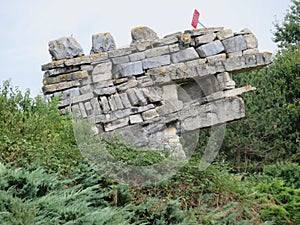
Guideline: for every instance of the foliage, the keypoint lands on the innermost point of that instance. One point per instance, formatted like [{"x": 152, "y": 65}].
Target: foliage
[
  {"x": 287, "y": 34},
  {"x": 32, "y": 132},
  {"x": 270, "y": 132}
]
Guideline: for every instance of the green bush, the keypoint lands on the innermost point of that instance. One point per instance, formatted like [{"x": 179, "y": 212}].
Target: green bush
[{"x": 35, "y": 133}]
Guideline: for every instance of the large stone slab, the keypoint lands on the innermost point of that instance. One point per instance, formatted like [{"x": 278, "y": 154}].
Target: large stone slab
[
  {"x": 65, "y": 48},
  {"x": 128, "y": 69},
  {"x": 142, "y": 34},
  {"x": 184, "y": 55},
  {"x": 102, "y": 42},
  {"x": 235, "y": 44},
  {"x": 212, "y": 48}
]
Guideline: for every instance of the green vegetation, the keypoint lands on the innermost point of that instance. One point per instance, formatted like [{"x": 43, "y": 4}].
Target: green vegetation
[{"x": 256, "y": 179}]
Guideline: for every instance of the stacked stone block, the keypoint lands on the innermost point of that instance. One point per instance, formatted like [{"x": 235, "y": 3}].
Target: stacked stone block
[{"x": 156, "y": 89}]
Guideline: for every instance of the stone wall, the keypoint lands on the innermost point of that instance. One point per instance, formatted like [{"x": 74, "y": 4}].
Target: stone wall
[{"x": 156, "y": 89}]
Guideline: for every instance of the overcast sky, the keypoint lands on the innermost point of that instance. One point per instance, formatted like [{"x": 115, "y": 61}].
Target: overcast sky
[{"x": 28, "y": 25}]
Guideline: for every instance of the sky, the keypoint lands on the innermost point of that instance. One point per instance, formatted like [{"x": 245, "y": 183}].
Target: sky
[{"x": 28, "y": 25}]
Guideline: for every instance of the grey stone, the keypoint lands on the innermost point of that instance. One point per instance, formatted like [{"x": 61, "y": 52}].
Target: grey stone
[
  {"x": 141, "y": 99},
  {"x": 150, "y": 114},
  {"x": 225, "y": 81},
  {"x": 156, "y": 62},
  {"x": 60, "y": 86},
  {"x": 76, "y": 111},
  {"x": 96, "y": 106},
  {"x": 102, "y": 77},
  {"x": 112, "y": 103},
  {"x": 236, "y": 63},
  {"x": 158, "y": 51},
  {"x": 184, "y": 55},
  {"x": 151, "y": 95},
  {"x": 65, "y": 48},
  {"x": 82, "y": 98},
  {"x": 102, "y": 42},
  {"x": 116, "y": 124},
  {"x": 137, "y": 56},
  {"x": 82, "y": 110},
  {"x": 85, "y": 89},
  {"x": 105, "y": 91},
  {"x": 127, "y": 85},
  {"x": 80, "y": 60},
  {"x": 104, "y": 67},
  {"x": 166, "y": 41},
  {"x": 204, "y": 39},
  {"x": 224, "y": 34},
  {"x": 251, "y": 41},
  {"x": 216, "y": 58},
  {"x": 120, "y": 59},
  {"x": 203, "y": 31},
  {"x": 118, "y": 101},
  {"x": 137, "y": 118},
  {"x": 128, "y": 69},
  {"x": 235, "y": 54},
  {"x": 212, "y": 48},
  {"x": 174, "y": 48},
  {"x": 104, "y": 104},
  {"x": 132, "y": 97},
  {"x": 89, "y": 108},
  {"x": 58, "y": 71},
  {"x": 99, "y": 57},
  {"x": 250, "y": 51},
  {"x": 120, "y": 52},
  {"x": 143, "y": 33},
  {"x": 125, "y": 100},
  {"x": 235, "y": 44}
]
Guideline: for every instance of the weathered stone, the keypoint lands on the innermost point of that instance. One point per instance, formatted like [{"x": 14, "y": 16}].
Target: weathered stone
[
  {"x": 65, "y": 48},
  {"x": 104, "y": 67},
  {"x": 150, "y": 114},
  {"x": 156, "y": 62},
  {"x": 210, "y": 49},
  {"x": 235, "y": 54},
  {"x": 81, "y": 98},
  {"x": 235, "y": 44},
  {"x": 137, "y": 118},
  {"x": 132, "y": 97},
  {"x": 99, "y": 57},
  {"x": 141, "y": 99},
  {"x": 104, "y": 104},
  {"x": 80, "y": 60},
  {"x": 58, "y": 71},
  {"x": 184, "y": 55},
  {"x": 105, "y": 91},
  {"x": 151, "y": 95},
  {"x": 143, "y": 33},
  {"x": 116, "y": 124},
  {"x": 203, "y": 31},
  {"x": 251, "y": 51},
  {"x": 102, "y": 42},
  {"x": 60, "y": 86},
  {"x": 125, "y": 100},
  {"x": 174, "y": 48},
  {"x": 143, "y": 46},
  {"x": 86, "y": 89},
  {"x": 118, "y": 101},
  {"x": 54, "y": 65},
  {"x": 158, "y": 51},
  {"x": 96, "y": 106},
  {"x": 128, "y": 69},
  {"x": 127, "y": 85},
  {"x": 251, "y": 41},
  {"x": 225, "y": 81},
  {"x": 236, "y": 63},
  {"x": 137, "y": 56},
  {"x": 120, "y": 52},
  {"x": 165, "y": 41},
  {"x": 204, "y": 39},
  {"x": 82, "y": 110},
  {"x": 102, "y": 77},
  {"x": 224, "y": 34},
  {"x": 120, "y": 59},
  {"x": 216, "y": 58},
  {"x": 89, "y": 109}
]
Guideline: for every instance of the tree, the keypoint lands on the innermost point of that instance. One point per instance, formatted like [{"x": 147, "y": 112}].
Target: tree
[{"x": 287, "y": 33}]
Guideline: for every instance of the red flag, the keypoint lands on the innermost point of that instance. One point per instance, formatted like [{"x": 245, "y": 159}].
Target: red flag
[{"x": 195, "y": 18}]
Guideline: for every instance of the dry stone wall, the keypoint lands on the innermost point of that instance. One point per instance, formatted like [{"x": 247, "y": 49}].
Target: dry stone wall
[{"x": 156, "y": 89}]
